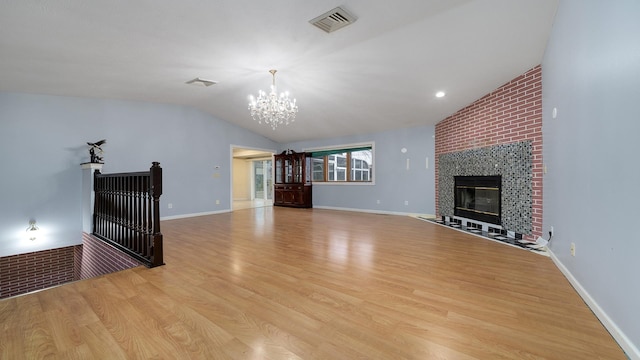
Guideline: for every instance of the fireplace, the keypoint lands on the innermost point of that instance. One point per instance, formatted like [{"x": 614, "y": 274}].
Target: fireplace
[{"x": 478, "y": 198}]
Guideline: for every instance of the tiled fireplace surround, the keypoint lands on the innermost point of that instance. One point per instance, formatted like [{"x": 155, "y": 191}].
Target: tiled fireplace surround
[{"x": 499, "y": 134}]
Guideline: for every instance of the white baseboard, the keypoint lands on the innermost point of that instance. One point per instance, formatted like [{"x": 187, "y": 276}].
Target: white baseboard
[
  {"x": 382, "y": 212},
  {"x": 369, "y": 211},
  {"x": 625, "y": 343},
  {"x": 183, "y": 216}
]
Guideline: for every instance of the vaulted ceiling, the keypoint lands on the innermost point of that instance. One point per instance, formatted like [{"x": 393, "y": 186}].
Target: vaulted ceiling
[{"x": 379, "y": 73}]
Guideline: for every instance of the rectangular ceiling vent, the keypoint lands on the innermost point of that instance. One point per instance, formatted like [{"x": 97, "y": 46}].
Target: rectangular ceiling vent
[
  {"x": 333, "y": 20},
  {"x": 201, "y": 81}
]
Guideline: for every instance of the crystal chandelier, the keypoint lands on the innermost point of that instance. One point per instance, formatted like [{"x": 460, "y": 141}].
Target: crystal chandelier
[{"x": 273, "y": 109}]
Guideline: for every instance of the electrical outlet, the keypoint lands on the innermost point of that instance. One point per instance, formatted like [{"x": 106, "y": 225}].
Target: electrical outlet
[
  {"x": 573, "y": 249},
  {"x": 170, "y": 206},
  {"x": 217, "y": 202},
  {"x": 377, "y": 201},
  {"x": 406, "y": 202}
]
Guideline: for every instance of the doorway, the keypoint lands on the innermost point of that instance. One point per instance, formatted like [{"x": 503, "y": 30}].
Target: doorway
[
  {"x": 262, "y": 179},
  {"x": 252, "y": 178}
]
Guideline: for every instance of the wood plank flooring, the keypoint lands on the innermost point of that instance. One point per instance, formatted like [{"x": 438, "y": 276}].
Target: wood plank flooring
[{"x": 279, "y": 283}]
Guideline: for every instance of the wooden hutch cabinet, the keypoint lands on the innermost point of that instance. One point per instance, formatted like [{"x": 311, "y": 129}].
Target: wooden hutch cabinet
[{"x": 292, "y": 184}]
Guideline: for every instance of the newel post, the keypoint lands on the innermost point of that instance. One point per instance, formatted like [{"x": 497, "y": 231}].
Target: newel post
[
  {"x": 156, "y": 190},
  {"x": 88, "y": 194}
]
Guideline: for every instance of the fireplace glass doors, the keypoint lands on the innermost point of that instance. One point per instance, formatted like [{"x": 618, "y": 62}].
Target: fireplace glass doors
[{"x": 478, "y": 198}]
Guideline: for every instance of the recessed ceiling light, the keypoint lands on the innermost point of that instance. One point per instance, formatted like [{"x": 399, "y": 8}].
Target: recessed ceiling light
[{"x": 440, "y": 94}]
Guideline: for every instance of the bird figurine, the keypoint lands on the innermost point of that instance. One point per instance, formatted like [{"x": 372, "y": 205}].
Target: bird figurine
[{"x": 92, "y": 151}]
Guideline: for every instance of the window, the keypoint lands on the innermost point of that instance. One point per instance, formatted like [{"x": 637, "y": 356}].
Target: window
[
  {"x": 317, "y": 169},
  {"x": 344, "y": 164},
  {"x": 360, "y": 168},
  {"x": 337, "y": 167}
]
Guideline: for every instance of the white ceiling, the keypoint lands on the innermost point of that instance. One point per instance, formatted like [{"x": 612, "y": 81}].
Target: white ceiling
[
  {"x": 377, "y": 74},
  {"x": 250, "y": 154}
]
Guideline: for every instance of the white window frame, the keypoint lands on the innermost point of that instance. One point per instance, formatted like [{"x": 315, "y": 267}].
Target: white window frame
[{"x": 372, "y": 173}]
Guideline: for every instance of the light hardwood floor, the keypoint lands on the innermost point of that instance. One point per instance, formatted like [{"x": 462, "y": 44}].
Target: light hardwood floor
[
  {"x": 249, "y": 204},
  {"x": 278, "y": 283}
]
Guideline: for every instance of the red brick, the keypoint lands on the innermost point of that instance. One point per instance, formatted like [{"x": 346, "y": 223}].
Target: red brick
[{"x": 510, "y": 113}]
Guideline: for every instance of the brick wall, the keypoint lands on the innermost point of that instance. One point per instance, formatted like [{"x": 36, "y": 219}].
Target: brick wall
[
  {"x": 511, "y": 113},
  {"x": 28, "y": 272},
  {"x": 20, "y": 274},
  {"x": 96, "y": 258}
]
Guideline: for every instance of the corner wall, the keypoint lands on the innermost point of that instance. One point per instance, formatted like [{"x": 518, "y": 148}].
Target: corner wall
[
  {"x": 43, "y": 141},
  {"x": 592, "y": 78},
  {"x": 510, "y": 114}
]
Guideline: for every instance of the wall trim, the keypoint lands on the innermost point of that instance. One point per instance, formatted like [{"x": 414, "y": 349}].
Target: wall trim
[
  {"x": 625, "y": 343},
  {"x": 184, "y": 216},
  {"x": 381, "y": 212}
]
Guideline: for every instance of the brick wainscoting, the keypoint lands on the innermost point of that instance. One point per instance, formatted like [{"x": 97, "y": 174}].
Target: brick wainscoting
[
  {"x": 510, "y": 114},
  {"x": 96, "y": 258},
  {"x": 23, "y": 273}
]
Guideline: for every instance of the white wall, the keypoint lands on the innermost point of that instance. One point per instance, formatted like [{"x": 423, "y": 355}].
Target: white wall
[
  {"x": 394, "y": 183},
  {"x": 241, "y": 179},
  {"x": 591, "y": 74},
  {"x": 43, "y": 141}
]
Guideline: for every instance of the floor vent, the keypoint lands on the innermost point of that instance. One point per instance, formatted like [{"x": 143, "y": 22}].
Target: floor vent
[{"x": 333, "y": 20}]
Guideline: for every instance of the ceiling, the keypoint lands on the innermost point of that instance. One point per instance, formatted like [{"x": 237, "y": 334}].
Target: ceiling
[
  {"x": 376, "y": 74},
  {"x": 250, "y": 154}
]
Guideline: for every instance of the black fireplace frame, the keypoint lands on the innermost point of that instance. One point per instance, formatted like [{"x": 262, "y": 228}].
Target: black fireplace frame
[{"x": 478, "y": 181}]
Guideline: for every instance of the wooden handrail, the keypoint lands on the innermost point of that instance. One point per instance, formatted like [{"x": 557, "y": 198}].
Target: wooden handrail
[{"x": 127, "y": 213}]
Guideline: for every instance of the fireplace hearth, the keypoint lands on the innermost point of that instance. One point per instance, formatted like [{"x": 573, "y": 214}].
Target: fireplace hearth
[{"x": 478, "y": 198}]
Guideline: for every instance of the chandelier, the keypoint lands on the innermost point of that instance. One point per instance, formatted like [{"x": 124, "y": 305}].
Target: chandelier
[{"x": 272, "y": 108}]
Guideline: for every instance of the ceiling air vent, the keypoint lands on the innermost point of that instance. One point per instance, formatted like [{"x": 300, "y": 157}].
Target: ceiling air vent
[
  {"x": 201, "y": 81},
  {"x": 333, "y": 20}
]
